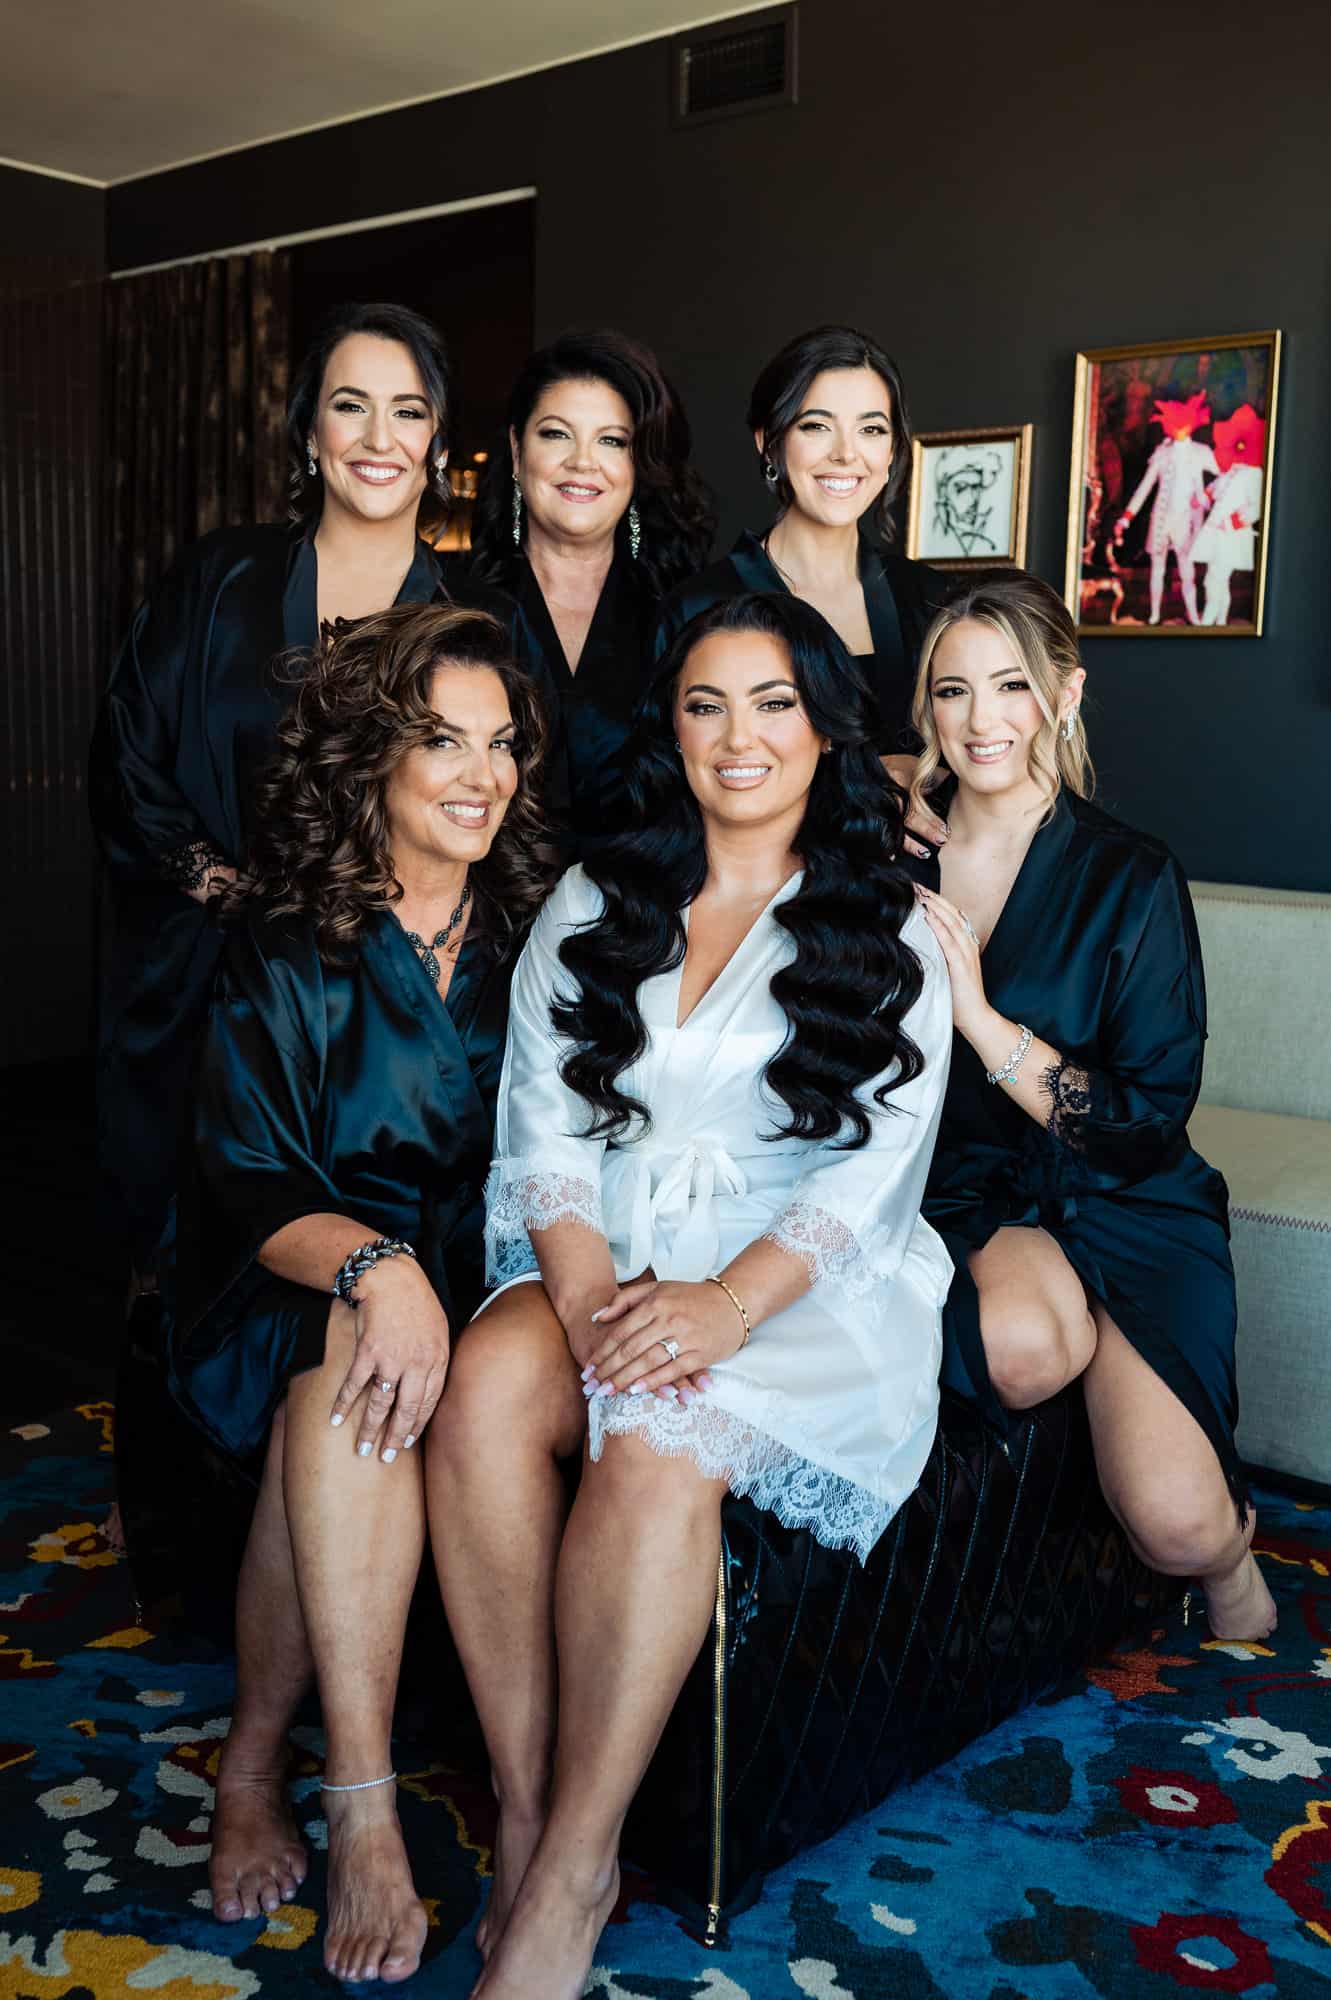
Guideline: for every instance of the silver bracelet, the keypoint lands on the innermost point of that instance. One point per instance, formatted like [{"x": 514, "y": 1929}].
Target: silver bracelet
[
  {"x": 1006, "y": 1071},
  {"x": 365, "y": 1785},
  {"x": 363, "y": 1260}
]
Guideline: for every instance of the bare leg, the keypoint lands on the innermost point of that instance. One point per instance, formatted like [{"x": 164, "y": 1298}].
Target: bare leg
[
  {"x": 357, "y": 1532},
  {"x": 636, "y": 1587},
  {"x": 1163, "y": 1480},
  {"x": 1037, "y": 1331},
  {"x": 512, "y": 1409},
  {"x": 257, "y": 1859}
]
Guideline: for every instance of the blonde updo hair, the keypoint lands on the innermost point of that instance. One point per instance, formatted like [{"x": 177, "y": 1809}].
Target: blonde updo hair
[{"x": 1037, "y": 626}]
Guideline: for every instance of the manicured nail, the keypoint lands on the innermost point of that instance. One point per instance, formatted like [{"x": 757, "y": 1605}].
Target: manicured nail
[
  {"x": 597, "y": 1314},
  {"x": 668, "y": 1392},
  {"x": 335, "y": 1419},
  {"x": 390, "y": 1454},
  {"x": 589, "y": 1389},
  {"x": 409, "y": 1441},
  {"x": 704, "y": 1381},
  {"x": 686, "y": 1396},
  {"x": 606, "y": 1389},
  {"x": 635, "y": 1388},
  {"x": 588, "y": 1370},
  {"x": 364, "y": 1450}
]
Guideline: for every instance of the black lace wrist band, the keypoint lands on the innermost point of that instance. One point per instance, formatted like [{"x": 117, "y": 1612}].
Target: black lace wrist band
[{"x": 363, "y": 1260}]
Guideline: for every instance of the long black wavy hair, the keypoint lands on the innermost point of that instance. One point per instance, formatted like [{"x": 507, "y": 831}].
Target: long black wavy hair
[
  {"x": 779, "y": 395},
  {"x": 851, "y": 981},
  {"x": 423, "y": 342},
  {"x": 674, "y": 507}
]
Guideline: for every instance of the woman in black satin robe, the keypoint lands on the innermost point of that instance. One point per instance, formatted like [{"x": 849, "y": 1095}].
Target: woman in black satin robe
[
  {"x": 590, "y": 513},
  {"x": 192, "y": 708},
  {"x": 344, "y": 1103},
  {"x": 1089, "y": 1239},
  {"x": 828, "y": 418}
]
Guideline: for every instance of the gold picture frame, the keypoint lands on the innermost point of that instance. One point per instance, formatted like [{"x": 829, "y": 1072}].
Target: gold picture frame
[
  {"x": 1181, "y": 436},
  {"x": 970, "y": 497}
]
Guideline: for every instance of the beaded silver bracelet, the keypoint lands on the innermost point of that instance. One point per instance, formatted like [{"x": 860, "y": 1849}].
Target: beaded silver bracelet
[
  {"x": 363, "y": 1260},
  {"x": 1006, "y": 1071}
]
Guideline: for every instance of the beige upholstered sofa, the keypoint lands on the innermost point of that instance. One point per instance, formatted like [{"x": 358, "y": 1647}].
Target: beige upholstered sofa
[{"x": 1265, "y": 1121}]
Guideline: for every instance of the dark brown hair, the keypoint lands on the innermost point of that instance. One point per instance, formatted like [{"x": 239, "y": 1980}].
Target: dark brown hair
[
  {"x": 363, "y": 701},
  {"x": 779, "y": 393}
]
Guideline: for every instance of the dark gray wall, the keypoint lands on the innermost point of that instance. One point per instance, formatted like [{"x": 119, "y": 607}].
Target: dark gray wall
[
  {"x": 988, "y": 189},
  {"x": 49, "y": 219}
]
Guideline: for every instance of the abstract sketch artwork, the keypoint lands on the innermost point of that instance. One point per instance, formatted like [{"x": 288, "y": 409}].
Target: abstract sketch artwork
[{"x": 968, "y": 498}]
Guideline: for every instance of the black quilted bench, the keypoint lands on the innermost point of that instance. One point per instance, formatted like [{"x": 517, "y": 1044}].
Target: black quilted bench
[{"x": 826, "y": 1683}]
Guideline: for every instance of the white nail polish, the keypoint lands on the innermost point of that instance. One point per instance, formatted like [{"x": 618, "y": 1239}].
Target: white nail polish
[
  {"x": 597, "y": 1314},
  {"x": 409, "y": 1441},
  {"x": 335, "y": 1419},
  {"x": 390, "y": 1455},
  {"x": 364, "y": 1450},
  {"x": 635, "y": 1388}
]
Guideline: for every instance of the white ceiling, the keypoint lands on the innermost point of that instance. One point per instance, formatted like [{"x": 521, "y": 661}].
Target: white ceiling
[{"x": 106, "y": 92}]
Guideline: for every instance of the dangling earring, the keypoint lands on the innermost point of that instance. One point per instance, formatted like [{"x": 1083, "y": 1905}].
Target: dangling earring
[
  {"x": 1069, "y": 726},
  {"x": 635, "y": 530},
  {"x": 769, "y": 472},
  {"x": 517, "y": 513},
  {"x": 441, "y": 485},
  {"x": 311, "y": 462}
]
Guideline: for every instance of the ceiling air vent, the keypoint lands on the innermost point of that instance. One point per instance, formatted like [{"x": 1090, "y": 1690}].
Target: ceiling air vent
[{"x": 746, "y": 64}]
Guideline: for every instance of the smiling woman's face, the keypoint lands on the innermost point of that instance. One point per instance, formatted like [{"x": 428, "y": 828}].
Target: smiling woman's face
[
  {"x": 372, "y": 429},
  {"x": 574, "y": 460},
  {"x": 985, "y": 710},
  {"x": 447, "y": 798},
  {"x": 749, "y": 748},
  {"x": 838, "y": 451}
]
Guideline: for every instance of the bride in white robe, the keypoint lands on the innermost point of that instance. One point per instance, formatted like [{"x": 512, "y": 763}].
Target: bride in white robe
[
  {"x": 723, "y": 1129},
  {"x": 828, "y": 1415}
]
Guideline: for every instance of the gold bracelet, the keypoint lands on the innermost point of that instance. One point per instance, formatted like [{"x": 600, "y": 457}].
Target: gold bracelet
[{"x": 738, "y": 1304}]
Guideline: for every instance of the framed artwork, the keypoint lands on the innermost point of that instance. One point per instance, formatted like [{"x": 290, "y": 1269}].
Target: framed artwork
[
  {"x": 969, "y": 496},
  {"x": 1172, "y": 448}
]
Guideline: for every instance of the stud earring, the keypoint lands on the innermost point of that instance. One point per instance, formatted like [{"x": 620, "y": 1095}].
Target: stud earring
[
  {"x": 635, "y": 531},
  {"x": 311, "y": 462},
  {"x": 517, "y": 513}
]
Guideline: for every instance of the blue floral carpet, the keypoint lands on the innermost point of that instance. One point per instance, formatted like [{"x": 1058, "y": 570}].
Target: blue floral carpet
[{"x": 1165, "y": 1827}]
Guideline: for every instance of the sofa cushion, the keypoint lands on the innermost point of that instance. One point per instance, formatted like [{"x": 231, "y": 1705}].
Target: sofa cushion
[
  {"x": 1267, "y": 955},
  {"x": 1279, "y": 1175}
]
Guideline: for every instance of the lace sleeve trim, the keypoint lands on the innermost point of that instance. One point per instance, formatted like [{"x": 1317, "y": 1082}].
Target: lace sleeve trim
[
  {"x": 828, "y": 1247},
  {"x": 519, "y": 1200},
  {"x": 187, "y": 868},
  {"x": 1068, "y": 1089}
]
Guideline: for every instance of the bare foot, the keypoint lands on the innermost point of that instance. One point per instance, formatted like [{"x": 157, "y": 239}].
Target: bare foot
[
  {"x": 515, "y": 1843},
  {"x": 550, "y": 1940},
  {"x": 257, "y": 1862},
  {"x": 1238, "y": 1603},
  {"x": 376, "y": 1923}
]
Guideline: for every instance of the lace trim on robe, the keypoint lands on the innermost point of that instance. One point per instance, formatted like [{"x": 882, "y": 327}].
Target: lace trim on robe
[
  {"x": 754, "y": 1465},
  {"x": 828, "y": 1247},
  {"x": 188, "y": 868},
  {"x": 1068, "y": 1089},
  {"x": 518, "y": 1199}
]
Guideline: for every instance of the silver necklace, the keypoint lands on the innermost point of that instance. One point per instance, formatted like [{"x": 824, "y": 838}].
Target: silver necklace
[{"x": 427, "y": 952}]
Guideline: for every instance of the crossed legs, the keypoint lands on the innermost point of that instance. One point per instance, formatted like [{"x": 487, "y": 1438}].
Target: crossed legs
[
  {"x": 1157, "y": 1467},
  {"x": 575, "y": 1648},
  {"x": 324, "y": 1591}
]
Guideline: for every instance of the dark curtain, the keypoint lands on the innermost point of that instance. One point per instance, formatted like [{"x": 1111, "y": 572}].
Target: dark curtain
[
  {"x": 196, "y": 378},
  {"x": 50, "y": 327}
]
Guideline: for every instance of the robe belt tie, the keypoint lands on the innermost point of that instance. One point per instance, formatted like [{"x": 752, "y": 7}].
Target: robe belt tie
[{"x": 675, "y": 1221}]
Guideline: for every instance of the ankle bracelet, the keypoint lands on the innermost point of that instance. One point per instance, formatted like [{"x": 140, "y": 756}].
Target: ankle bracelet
[{"x": 365, "y": 1785}]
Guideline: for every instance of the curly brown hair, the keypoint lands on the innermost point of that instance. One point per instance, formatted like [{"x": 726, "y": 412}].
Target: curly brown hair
[{"x": 321, "y": 847}]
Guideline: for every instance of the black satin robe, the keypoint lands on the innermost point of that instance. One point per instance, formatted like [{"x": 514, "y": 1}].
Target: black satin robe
[
  {"x": 900, "y": 598},
  {"x": 1096, "y": 950},
  {"x": 189, "y": 717},
  {"x": 593, "y": 707},
  {"x": 346, "y": 1090}
]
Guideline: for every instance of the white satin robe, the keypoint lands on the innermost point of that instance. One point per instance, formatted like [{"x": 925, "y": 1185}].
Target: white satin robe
[{"x": 828, "y": 1415}]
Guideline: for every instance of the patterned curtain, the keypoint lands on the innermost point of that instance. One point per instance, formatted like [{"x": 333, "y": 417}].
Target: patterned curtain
[{"x": 196, "y": 367}]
